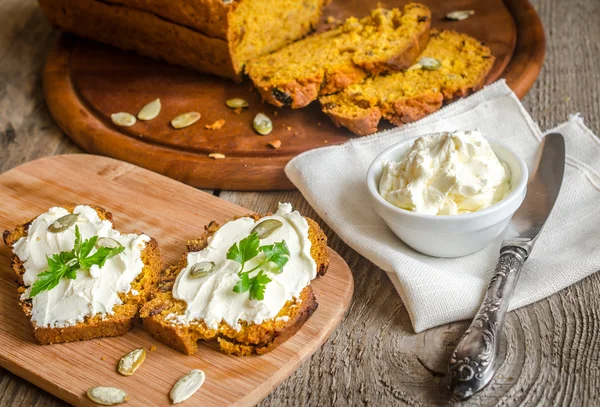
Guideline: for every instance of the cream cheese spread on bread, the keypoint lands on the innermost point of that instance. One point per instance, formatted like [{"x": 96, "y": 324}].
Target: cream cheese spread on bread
[
  {"x": 446, "y": 174},
  {"x": 93, "y": 292},
  {"x": 211, "y": 298}
]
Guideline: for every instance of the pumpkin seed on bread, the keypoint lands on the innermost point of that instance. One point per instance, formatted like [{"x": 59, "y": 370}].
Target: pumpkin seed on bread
[
  {"x": 248, "y": 338},
  {"x": 385, "y": 41},
  {"x": 407, "y": 96}
]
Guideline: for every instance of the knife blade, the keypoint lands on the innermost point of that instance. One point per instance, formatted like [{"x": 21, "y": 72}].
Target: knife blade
[{"x": 475, "y": 359}]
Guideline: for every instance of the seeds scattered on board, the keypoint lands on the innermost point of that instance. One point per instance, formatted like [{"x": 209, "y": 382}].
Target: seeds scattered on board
[
  {"x": 150, "y": 111},
  {"x": 123, "y": 119},
  {"x": 185, "y": 120},
  {"x": 216, "y": 156},
  {"x": 107, "y": 396},
  {"x": 431, "y": 64},
  {"x": 460, "y": 15},
  {"x": 130, "y": 362},
  {"x": 236, "y": 103},
  {"x": 262, "y": 124},
  {"x": 108, "y": 242},
  {"x": 202, "y": 269},
  {"x": 267, "y": 227},
  {"x": 63, "y": 223},
  {"x": 216, "y": 125},
  {"x": 275, "y": 144},
  {"x": 187, "y": 386}
]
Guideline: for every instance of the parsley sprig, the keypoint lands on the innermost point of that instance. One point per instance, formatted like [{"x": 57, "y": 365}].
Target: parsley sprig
[
  {"x": 274, "y": 257},
  {"x": 66, "y": 264}
]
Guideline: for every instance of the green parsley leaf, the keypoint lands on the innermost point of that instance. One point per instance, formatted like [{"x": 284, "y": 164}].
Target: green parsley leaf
[
  {"x": 243, "y": 285},
  {"x": 100, "y": 257},
  {"x": 87, "y": 246},
  {"x": 275, "y": 258},
  {"x": 278, "y": 254},
  {"x": 257, "y": 286},
  {"x": 66, "y": 264},
  {"x": 245, "y": 250},
  {"x": 59, "y": 268}
]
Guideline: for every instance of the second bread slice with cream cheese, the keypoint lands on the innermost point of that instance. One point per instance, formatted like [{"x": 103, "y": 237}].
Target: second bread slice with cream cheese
[{"x": 187, "y": 309}]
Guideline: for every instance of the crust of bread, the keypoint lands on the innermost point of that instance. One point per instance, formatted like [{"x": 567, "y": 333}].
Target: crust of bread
[
  {"x": 95, "y": 326},
  {"x": 251, "y": 338}
]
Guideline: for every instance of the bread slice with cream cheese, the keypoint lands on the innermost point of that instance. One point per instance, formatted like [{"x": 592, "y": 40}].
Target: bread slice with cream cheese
[
  {"x": 188, "y": 309},
  {"x": 88, "y": 306}
]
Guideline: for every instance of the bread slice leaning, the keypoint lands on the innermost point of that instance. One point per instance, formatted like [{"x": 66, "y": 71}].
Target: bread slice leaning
[
  {"x": 385, "y": 41},
  {"x": 251, "y": 338},
  {"x": 409, "y": 95},
  {"x": 94, "y": 326}
]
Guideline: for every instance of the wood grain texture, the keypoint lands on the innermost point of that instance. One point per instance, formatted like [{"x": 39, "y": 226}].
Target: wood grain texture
[
  {"x": 85, "y": 82},
  {"x": 551, "y": 348},
  {"x": 171, "y": 213}
]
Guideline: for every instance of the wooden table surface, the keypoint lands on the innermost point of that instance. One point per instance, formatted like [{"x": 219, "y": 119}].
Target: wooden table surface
[{"x": 551, "y": 349}]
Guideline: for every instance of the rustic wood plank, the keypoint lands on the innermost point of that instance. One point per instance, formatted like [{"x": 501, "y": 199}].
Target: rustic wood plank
[{"x": 552, "y": 348}]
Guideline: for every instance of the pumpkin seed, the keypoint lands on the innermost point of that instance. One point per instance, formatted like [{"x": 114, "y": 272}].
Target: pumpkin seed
[
  {"x": 130, "y": 362},
  {"x": 63, "y": 223},
  {"x": 123, "y": 119},
  {"x": 267, "y": 227},
  {"x": 216, "y": 156},
  {"x": 202, "y": 269},
  {"x": 431, "y": 64},
  {"x": 150, "y": 111},
  {"x": 187, "y": 386},
  {"x": 107, "y": 396},
  {"x": 262, "y": 124},
  {"x": 414, "y": 67},
  {"x": 236, "y": 103},
  {"x": 460, "y": 15},
  {"x": 108, "y": 243},
  {"x": 185, "y": 120}
]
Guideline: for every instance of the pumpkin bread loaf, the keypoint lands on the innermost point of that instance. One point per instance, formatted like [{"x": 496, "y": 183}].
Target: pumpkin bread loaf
[
  {"x": 455, "y": 65},
  {"x": 385, "y": 41},
  {"x": 212, "y": 36},
  {"x": 116, "y": 323},
  {"x": 250, "y": 338}
]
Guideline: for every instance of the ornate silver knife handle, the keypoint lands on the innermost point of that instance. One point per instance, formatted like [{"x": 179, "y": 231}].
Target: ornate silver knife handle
[{"x": 473, "y": 363}]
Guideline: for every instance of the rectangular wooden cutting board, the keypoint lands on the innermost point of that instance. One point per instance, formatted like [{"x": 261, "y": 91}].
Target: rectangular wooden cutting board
[{"x": 172, "y": 213}]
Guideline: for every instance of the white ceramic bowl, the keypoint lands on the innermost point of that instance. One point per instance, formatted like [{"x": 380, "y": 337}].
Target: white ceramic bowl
[{"x": 450, "y": 235}]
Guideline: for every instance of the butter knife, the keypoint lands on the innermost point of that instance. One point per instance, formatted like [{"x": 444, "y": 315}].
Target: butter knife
[{"x": 475, "y": 360}]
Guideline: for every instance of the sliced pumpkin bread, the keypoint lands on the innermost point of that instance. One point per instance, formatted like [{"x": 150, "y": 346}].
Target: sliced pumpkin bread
[
  {"x": 74, "y": 310},
  {"x": 451, "y": 66},
  {"x": 213, "y": 36},
  {"x": 385, "y": 41},
  {"x": 167, "y": 318}
]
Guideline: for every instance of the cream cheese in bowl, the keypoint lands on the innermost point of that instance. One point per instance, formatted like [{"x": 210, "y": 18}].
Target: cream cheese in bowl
[
  {"x": 446, "y": 174},
  {"x": 479, "y": 183}
]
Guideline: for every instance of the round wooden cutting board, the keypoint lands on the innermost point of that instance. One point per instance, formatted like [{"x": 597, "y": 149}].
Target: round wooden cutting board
[{"x": 85, "y": 82}]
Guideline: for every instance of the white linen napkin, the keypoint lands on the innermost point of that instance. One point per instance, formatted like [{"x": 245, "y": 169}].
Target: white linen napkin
[{"x": 437, "y": 291}]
